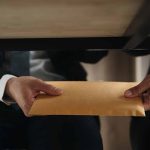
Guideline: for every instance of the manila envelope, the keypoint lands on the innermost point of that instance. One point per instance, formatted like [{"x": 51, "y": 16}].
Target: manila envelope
[{"x": 89, "y": 98}]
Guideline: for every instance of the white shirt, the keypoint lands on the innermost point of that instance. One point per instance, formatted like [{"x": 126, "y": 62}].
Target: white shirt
[{"x": 3, "y": 82}]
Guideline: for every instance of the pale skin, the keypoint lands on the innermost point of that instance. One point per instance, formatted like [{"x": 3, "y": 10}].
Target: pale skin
[
  {"x": 23, "y": 90},
  {"x": 141, "y": 90}
]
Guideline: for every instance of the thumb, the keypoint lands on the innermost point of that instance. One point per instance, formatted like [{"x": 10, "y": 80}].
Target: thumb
[
  {"x": 49, "y": 89},
  {"x": 137, "y": 90}
]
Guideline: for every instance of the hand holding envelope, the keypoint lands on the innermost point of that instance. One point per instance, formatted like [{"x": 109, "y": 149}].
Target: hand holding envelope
[
  {"x": 141, "y": 90},
  {"x": 89, "y": 98},
  {"x": 23, "y": 90}
]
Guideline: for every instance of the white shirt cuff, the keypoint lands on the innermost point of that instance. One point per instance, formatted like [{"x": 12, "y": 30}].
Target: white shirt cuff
[{"x": 3, "y": 82}]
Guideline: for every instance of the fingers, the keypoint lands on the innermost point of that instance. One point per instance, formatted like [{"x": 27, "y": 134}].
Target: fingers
[
  {"x": 142, "y": 90},
  {"x": 139, "y": 89},
  {"x": 49, "y": 89},
  {"x": 133, "y": 92}
]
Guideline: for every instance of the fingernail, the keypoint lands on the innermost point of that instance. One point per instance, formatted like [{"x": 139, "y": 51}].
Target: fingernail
[{"x": 128, "y": 93}]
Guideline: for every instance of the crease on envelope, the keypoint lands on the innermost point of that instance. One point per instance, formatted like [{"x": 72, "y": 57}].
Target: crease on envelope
[{"x": 89, "y": 98}]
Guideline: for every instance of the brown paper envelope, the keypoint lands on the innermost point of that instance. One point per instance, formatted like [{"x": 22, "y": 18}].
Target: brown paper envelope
[{"x": 89, "y": 98}]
